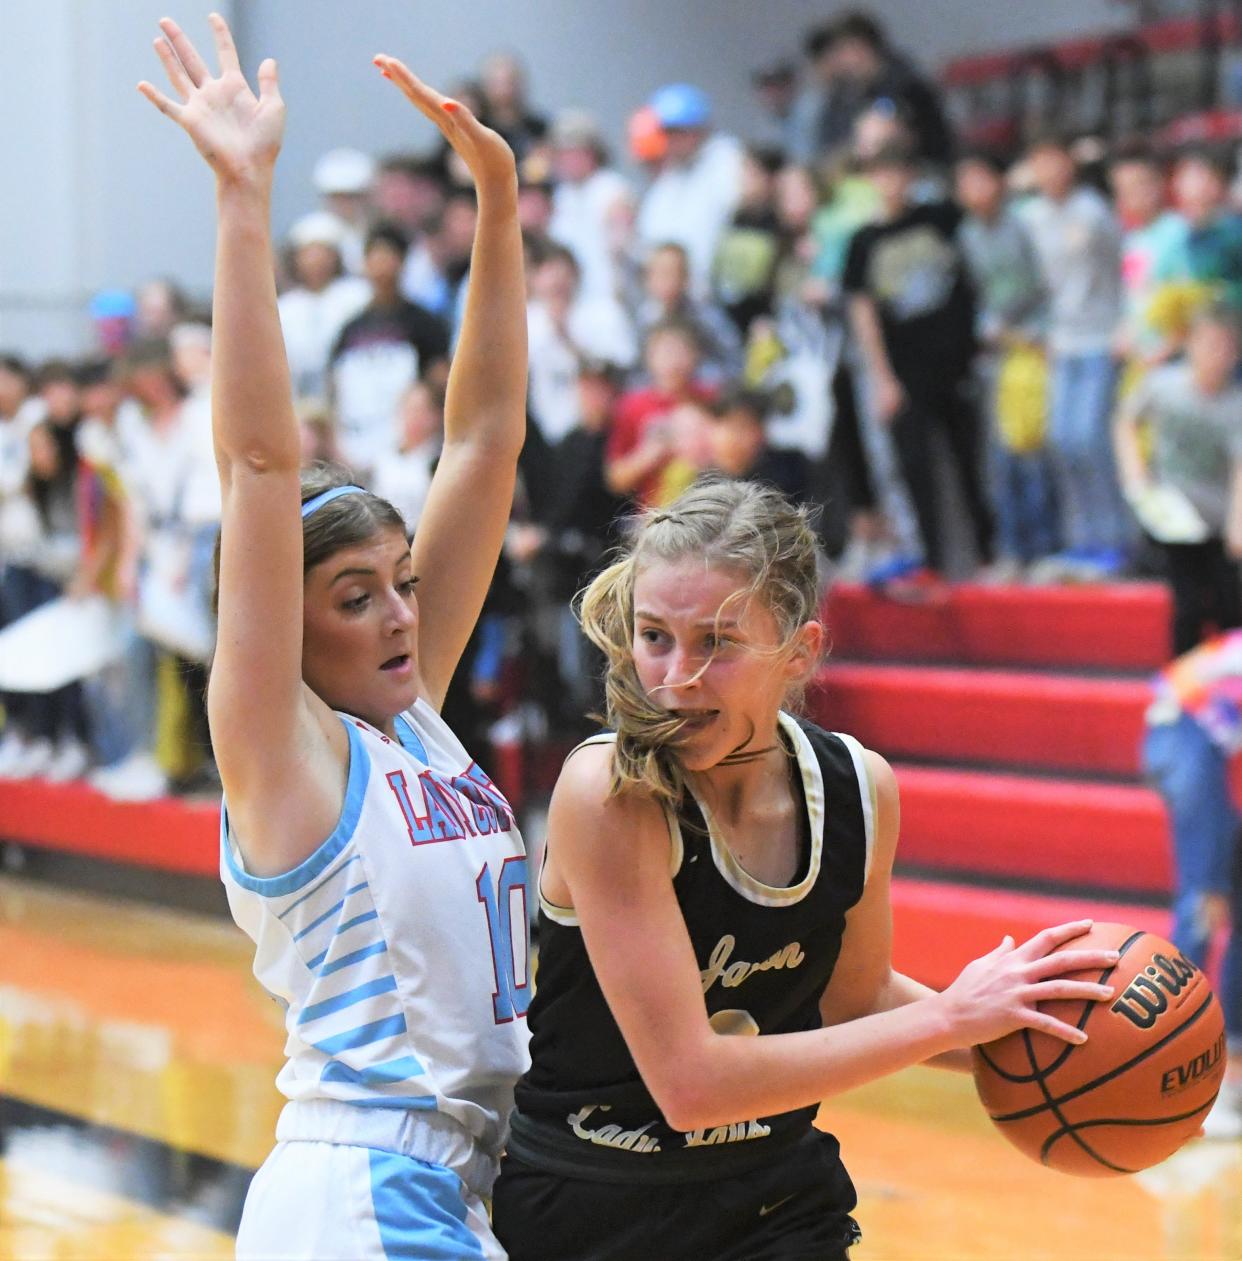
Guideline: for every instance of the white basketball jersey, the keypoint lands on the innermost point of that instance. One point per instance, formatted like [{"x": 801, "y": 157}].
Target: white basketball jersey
[{"x": 399, "y": 948}]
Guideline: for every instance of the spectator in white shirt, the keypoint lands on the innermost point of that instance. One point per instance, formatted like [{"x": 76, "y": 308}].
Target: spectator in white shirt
[
  {"x": 592, "y": 203},
  {"x": 322, "y": 301},
  {"x": 693, "y": 197},
  {"x": 563, "y": 328},
  {"x": 344, "y": 179},
  {"x": 404, "y": 478}
]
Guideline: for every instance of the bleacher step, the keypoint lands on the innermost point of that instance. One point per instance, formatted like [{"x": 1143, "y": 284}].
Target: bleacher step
[
  {"x": 1107, "y": 836},
  {"x": 169, "y": 834},
  {"x": 939, "y": 928},
  {"x": 993, "y": 716},
  {"x": 1113, "y": 626}
]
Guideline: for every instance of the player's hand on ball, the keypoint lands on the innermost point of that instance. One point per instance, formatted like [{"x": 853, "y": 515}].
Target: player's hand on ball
[
  {"x": 1001, "y": 991},
  {"x": 237, "y": 132},
  {"x": 484, "y": 151}
]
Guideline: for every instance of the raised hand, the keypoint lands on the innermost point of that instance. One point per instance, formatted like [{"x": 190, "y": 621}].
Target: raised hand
[
  {"x": 484, "y": 152},
  {"x": 1001, "y": 991},
  {"x": 237, "y": 132}
]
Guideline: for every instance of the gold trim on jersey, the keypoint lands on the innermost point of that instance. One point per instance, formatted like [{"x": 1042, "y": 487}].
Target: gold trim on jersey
[
  {"x": 867, "y": 791},
  {"x": 813, "y": 788}
]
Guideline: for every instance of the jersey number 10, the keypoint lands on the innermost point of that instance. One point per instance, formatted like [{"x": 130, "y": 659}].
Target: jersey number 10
[{"x": 508, "y": 927}]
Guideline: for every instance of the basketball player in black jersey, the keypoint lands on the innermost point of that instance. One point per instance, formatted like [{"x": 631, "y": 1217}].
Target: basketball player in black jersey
[{"x": 718, "y": 868}]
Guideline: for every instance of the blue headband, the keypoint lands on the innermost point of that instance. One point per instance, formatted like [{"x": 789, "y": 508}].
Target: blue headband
[{"x": 313, "y": 505}]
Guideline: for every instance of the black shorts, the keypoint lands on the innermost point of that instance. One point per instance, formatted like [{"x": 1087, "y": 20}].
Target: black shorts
[{"x": 796, "y": 1209}]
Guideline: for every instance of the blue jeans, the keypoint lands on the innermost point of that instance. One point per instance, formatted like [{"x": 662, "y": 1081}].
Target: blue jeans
[
  {"x": 1190, "y": 774},
  {"x": 1093, "y": 515},
  {"x": 121, "y": 701},
  {"x": 1026, "y": 523},
  {"x": 40, "y": 715}
]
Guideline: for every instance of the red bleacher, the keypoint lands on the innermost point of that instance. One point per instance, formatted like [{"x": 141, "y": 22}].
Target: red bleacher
[
  {"x": 1044, "y": 793},
  {"x": 167, "y": 835},
  {"x": 1121, "y": 627},
  {"x": 1028, "y": 719},
  {"x": 1045, "y": 790}
]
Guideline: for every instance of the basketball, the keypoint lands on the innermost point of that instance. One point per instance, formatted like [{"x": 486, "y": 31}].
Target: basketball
[{"x": 1140, "y": 1085}]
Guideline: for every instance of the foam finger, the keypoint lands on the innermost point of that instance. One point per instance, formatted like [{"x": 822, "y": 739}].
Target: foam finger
[
  {"x": 226, "y": 50},
  {"x": 194, "y": 65},
  {"x": 173, "y": 67}
]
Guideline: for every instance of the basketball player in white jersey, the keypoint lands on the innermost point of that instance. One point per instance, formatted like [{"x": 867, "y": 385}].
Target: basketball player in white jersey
[
  {"x": 376, "y": 867},
  {"x": 717, "y": 868}
]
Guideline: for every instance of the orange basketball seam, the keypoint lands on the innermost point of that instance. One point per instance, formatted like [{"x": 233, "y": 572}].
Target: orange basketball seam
[
  {"x": 1057, "y": 1135},
  {"x": 1023, "y": 1079},
  {"x": 1066, "y": 1125}
]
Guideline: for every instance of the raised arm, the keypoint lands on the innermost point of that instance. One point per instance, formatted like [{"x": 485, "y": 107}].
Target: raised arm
[
  {"x": 636, "y": 937},
  {"x": 265, "y": 723},
  {"x": 463, "y": 524}
]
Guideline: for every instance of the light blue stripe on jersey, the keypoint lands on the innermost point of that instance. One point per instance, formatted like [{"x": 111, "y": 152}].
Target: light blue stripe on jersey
[
  {"x": 360, "y": 993},
  {"x": 410, "y": 741},
  {"x": 385, "y": 1074},
  {"x": 329, "y": 913},
  {"x": 322, "y": 858},
  {"x": 346, "y": 961},
  {"x": 293, "y": 906},
  {"x": 376, "y": 1078},
  {"x": 419, "y": 1210},
  {"x": 363, "y": 1035},
  {"x": 353, "y": 923}
]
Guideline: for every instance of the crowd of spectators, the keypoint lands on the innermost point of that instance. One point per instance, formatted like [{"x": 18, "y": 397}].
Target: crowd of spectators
[{"x": 1018, "y": 367}]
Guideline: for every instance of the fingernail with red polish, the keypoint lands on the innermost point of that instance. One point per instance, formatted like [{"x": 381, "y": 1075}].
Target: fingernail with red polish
[{"x": 451, "y": 107}]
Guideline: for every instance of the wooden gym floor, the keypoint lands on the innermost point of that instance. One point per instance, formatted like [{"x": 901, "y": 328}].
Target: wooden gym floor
[{"x": 136, "y": 1064}]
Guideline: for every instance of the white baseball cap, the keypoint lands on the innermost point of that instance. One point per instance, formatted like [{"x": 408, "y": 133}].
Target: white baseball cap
[
  {"x": 344, "y": 171},
  {"x": 317, "y": 228}
]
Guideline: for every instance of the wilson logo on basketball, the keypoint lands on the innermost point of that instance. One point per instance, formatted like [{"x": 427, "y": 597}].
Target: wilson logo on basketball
[
  {"x": 1143, "y": 1000},
  {"x": 1177, "y": 1079}
]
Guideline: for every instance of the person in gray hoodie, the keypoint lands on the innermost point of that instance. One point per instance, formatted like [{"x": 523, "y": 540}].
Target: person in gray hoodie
[{"x": 1078, "y": 243}]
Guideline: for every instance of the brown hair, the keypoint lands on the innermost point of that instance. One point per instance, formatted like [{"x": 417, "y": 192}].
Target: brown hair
[
  {"x": 746, "y": 527},
  {"x": 345, "y": 521}
]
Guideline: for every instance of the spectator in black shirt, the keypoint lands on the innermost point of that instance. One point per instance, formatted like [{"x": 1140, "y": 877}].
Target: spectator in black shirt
[
  {"x": 380, "y": 353},
  {"x": 913, "y": 313},
  {"x": 505, "y": 107},
  {"x": 576, "y": 526},
  {"x": 864, "y": 69}
]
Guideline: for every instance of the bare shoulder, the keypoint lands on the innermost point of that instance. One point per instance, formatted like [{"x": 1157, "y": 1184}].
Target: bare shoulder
[
  {"x": 594, "y": 833},
  {"x": 585, "y": 787},
  {"x": 882, "y": 775},
  {"x": 284, "y": 804}
]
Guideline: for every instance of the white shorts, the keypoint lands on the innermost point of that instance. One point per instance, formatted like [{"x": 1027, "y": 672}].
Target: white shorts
[{"x": 313, "y": 1200}]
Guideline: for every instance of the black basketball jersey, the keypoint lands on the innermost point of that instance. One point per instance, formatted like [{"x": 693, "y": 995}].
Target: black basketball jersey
[{"x": 765, "y": 955}]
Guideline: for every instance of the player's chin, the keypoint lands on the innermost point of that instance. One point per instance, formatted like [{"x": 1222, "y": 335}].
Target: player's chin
[
  {"x": 703, "y": 750},
  {"x": 397, "y": 695}
]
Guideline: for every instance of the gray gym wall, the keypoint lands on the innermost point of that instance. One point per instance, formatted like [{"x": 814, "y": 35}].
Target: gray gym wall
[{"x": 100, "y": 190}]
